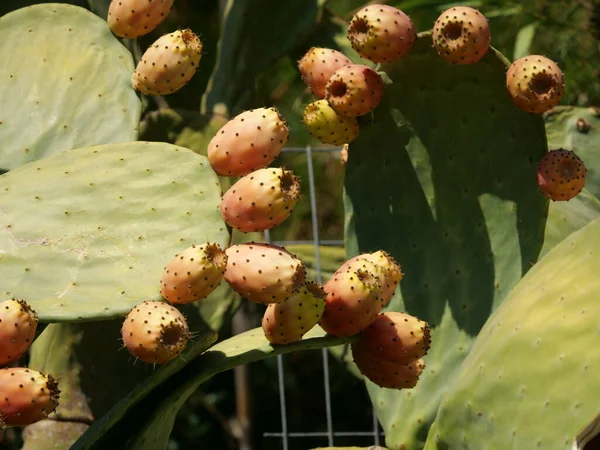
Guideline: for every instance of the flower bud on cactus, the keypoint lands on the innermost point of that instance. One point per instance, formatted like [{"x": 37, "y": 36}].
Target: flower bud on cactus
[
  {"x": 288, "y": 321},
  {"x": 397, "y": 337},
  {"x": 389, "y": 272},
  {"x": 261, "y": 200},
  {"x": 461, "y": 35},
  {"x": 561, "y": 175},
  {"x": 18, "y": 323},
  {"x": 248, "y": 142},
  {"x": 386, "y": 374},
  {"x": 354, "y": 90},
  {"x": 155, "y": 332},
  {"x": 317, "y": 66},
  {"x": 168, "y": 64},
  {"x": 327, "y": 125},
  {"x": 193, "y": 273},
  {"x": 353, "y": 300},
  {"x": 134, "y": 18},
  {"x": 263, "y": 273},
  {"x": 535, "y": 84},
  {"x": 381, "y": 33},
  {"x": 27, "y": 396}
]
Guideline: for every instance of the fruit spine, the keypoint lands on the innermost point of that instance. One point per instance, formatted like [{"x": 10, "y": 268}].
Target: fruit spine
[
  {"x": 134, "y": 18},
  {"x": 248, "y": 142},
  {"x": 18, "y": 324},
  {"x": 261, "y": 200},
  {"x": 381, "y": 33},
  {"x": 193, "y": 273},
  {"x": 155, "y": 332},
  {"x": 168, "y": 64}
]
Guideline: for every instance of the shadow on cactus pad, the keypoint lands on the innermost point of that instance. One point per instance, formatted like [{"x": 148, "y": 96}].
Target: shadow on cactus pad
[
  {"x": 443, "y": 177},
  {"x": 85, "y": 234}
]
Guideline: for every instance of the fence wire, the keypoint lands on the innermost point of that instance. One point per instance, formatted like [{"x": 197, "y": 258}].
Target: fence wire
[{"x": 285, "y": 435}]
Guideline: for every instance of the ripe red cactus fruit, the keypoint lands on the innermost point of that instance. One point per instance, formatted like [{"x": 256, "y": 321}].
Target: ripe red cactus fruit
[
  {"x": 397, "y": 337},
  {"x": 248, "y": 142},
  {"x": 193, "y": 273},
  {"x": 27, "y": 396},
  {"x": 561, "y": 175},
  {"x": 18, "y": 324},
  {"x": 155, "y": 332},
  {"x": 263, "y": 273},
  {"x": 386, "y": 374},
  {"x": 353, "y": 300},
  {"x": 535, "y": 83},
  {"x": 261, "y": 200},
  {"x": 318, "y": 65},
  {"x": 461, "y": 35},
  {"x": 354, "y": 90},
  {"x": 291, "y": 319},
  {"x": 381, "y": 33}
]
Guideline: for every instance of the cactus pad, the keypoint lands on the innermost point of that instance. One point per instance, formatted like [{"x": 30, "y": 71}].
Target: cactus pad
[
  {"x": 68, "y": 86},
  {"x": 443, "y": 177},
  {"x": 85, "y": 234},
  {"x": 537, "y": 357}
]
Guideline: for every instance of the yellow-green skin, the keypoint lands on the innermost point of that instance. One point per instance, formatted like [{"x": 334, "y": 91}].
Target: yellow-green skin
[
  {"x": 328, "y": 126},
  {"x": 168, "y": 64},
  {"x": 288, "y": 321}
]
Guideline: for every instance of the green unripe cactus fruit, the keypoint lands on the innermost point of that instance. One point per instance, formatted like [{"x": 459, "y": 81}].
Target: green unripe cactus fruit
[{"x": 324, "y": 123}]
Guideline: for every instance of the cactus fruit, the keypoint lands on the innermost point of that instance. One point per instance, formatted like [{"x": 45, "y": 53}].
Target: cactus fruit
[
  {"x": 193, "y": 273},
  {"x": 18, "y": 323},
  {"x": 27, "y": 396},
  {"x": 263, "y": 273},
  {"x": 324, "y": 123},
  {"x": 461, "y": 35},
  {"x": 389, "y": 279},
  {"x": 353, "y": 300},
  {"x": 561, "y": 175},
  {"x": 535, "y": 83},
  {"x": 261, "y": 200},
  {"x": 134, "y": 18},
  {"x": 288, "y": 321},
  {"x": 248, "y": 142},
  {"x": 155, "y": 332},
  {"x": 354, "y": 90},
  {"x": 397, "y": 337},
  {"x": 381, "y": 33},
  {"x": 386, "y": 374},
  {"x": 318, "y": 65},
  {"x": 168, "y": 64}
]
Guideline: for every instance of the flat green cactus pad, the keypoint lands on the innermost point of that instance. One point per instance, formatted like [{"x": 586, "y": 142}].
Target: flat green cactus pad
[
  {"x": 65, "y": 84},
  {"x": 85, "y": 234},
  {"x": 531, "y": 379},
  {"x": 443, "y": 177}
]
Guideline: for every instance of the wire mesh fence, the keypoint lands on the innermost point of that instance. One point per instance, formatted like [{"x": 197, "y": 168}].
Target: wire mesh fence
[{"x": 328, "y": 436}]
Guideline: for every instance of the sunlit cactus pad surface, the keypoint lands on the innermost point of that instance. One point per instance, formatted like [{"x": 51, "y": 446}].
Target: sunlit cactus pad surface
[{"x": 85, "y": 234}]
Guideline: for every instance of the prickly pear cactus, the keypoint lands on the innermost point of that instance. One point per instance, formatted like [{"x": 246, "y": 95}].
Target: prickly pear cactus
[
  {"x": 111, "y": 217},
  {"x": 548, "y": 329},
  {"x": 160, "y": 408},
  {"x": 70, "y": 88},
  {"x": 442, "y": 176}
]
